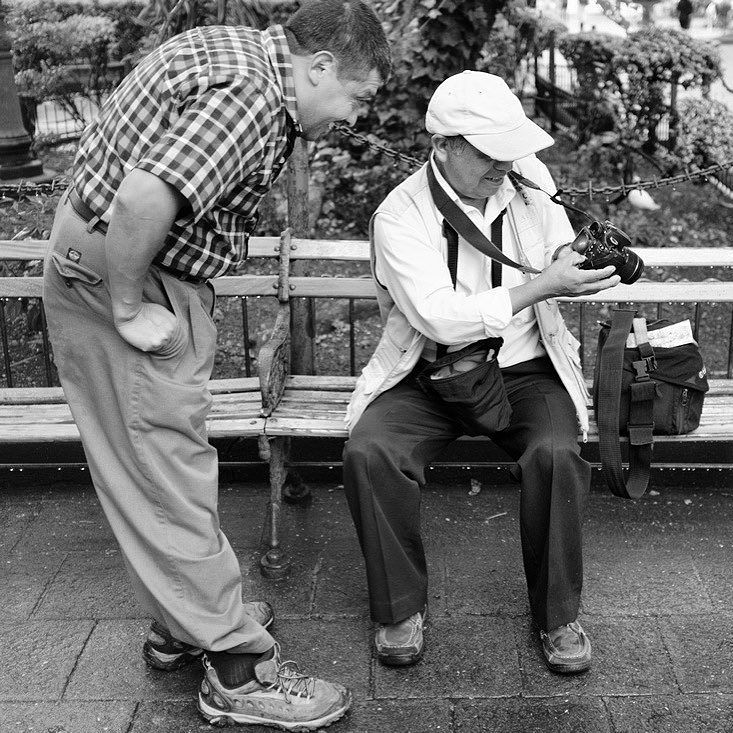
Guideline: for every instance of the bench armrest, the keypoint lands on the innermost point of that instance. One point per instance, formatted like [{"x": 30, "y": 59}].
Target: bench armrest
[{"x": 274, "y": 362}]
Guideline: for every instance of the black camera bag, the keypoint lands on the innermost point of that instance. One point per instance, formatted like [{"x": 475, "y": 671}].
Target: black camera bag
[{"x": 639, "y": 392}]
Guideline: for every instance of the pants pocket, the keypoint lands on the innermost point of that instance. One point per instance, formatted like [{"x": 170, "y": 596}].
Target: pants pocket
[{"x": 71, "y": 270}]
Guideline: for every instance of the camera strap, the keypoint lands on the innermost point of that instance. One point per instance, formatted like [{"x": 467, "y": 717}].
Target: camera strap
[
  {"x": 466, "y": 228},
  {"x": 519, "y": 180}
]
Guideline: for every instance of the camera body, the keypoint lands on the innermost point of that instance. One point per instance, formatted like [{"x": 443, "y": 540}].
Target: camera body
[{"x": 604, "y": 244}]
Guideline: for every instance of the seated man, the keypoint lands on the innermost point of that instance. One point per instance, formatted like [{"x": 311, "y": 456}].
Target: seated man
[{"x": 479, "y": 134}]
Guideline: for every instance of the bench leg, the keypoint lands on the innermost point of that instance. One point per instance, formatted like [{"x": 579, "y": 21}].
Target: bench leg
[
  {"x": 275, "y": 563},
  {"x": 295, "y": 490}
]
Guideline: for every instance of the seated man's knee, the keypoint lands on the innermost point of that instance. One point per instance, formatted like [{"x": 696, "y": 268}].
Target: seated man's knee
[{"x": 552, "y": 452}]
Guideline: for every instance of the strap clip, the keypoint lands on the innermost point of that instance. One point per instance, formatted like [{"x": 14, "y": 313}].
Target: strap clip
[{"x": 643, "y": 366}]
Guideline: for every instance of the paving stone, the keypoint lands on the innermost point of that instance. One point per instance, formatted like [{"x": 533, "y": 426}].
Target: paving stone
[
  {"x": 66, "y": 717},
  {"x": 179, "y": 716},
  {"x": 627, "y": 581},
  {"x": 23, "y": 579},
  {"x": 700, "y": 515},
  {"x": 91, "y": 585},
  {"x": 713, "y": 566},
  {"x": 15, "y": 519},
  {"x": 112, "y": 668},
  {"x": 521, "y": 715},
  {"x": 629, "y": 657},
  {"x": 449, "y": 512},
  {"x": 464, "y": 657},
  {"x": 68, "y": 525},
  {"x": 486, "y": 577},
  {"x": 701, "y": 648},
  {"x": 334, "y": 649},
  {"x": 39, "y": 656},
  {"x": 341, "y": 585},
  {"x": 672, "y": 714},
  {"x": 395, "y": 716}
]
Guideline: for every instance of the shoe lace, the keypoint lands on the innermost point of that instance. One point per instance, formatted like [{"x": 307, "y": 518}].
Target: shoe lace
[{"x": 290, "y": 681}]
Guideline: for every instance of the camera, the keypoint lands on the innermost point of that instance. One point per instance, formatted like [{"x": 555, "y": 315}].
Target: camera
[{"x": 604, "y": 244}]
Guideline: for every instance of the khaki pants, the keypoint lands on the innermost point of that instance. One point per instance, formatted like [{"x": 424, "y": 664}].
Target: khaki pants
[{"x": 142, "y": 424}]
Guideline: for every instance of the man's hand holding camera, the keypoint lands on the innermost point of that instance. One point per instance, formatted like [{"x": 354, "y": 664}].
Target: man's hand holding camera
[{"x": 565, "y": 277}]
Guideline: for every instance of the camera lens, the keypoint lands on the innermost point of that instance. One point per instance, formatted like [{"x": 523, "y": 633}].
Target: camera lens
[{"x": 631, "y": 268}]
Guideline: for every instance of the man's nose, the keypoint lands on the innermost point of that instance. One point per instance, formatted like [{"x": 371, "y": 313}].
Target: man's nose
[{"x": 503, "y": 165}]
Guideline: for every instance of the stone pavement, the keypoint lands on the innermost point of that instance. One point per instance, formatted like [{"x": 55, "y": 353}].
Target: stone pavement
[{"x": 657, "y": 606}]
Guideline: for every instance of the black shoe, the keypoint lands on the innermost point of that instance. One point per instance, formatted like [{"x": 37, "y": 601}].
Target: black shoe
[
  {"x": 566, "y": 649},
  {"x": 402, "y": 643}
]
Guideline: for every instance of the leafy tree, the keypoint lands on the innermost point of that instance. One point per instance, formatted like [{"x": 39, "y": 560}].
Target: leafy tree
[{"x": 624, "y": 91}]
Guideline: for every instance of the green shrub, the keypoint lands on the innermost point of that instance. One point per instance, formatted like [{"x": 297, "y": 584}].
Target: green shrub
[
  {"x": 49, "y": 36},
  {"x": 704, "y": 132}
]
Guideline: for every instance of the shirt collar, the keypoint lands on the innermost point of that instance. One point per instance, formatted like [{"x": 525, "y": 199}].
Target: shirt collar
[
  {"x": 504, "y": 194},
  {"x": 276, "y": 45}
]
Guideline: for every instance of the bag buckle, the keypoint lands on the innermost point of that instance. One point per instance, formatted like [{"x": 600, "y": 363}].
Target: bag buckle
[{"x": 643, "y": 366}]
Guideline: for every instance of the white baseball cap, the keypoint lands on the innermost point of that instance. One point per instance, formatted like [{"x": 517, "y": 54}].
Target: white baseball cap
[{"x": 482, "y": 108}]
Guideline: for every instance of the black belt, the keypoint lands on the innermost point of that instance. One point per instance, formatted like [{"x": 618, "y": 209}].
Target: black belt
[{"x": 96, "y": 222}]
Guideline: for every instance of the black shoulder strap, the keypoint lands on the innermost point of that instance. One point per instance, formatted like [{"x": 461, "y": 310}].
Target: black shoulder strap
[
  {"x": 641, "y": 410},
  {"x": 466, "y": 228},
  {"x": 451, "y": 237}
]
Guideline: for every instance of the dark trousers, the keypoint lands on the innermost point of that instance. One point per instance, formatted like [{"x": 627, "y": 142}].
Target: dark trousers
[{"x": 404, "y": 430}]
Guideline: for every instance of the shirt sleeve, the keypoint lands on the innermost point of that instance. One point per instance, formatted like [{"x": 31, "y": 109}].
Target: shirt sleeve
[
  {"x": 417, "y": 278},
  {"x": 218, "y": 140}
]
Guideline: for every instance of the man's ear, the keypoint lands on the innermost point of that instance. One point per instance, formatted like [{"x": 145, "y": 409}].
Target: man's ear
[
  {"x": 322, "y": 64},
  {"x": 440, "y": 147}
]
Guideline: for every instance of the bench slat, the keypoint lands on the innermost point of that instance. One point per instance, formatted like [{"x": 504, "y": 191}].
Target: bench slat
[
  {"x": 357, "y": 250},
  {"x": 639, "y": 292}
]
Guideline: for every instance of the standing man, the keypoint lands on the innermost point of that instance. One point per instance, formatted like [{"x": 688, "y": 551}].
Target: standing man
[
  {"x": 165, "y": 191},
  {"x": 479, "y": 134}
]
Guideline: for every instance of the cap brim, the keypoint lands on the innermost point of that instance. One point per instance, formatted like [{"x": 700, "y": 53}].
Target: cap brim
[{"x": 527, "y": 139}]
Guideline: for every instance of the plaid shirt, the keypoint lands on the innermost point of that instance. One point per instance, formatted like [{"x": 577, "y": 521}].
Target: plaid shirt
[{"x": 211, "y": 112}]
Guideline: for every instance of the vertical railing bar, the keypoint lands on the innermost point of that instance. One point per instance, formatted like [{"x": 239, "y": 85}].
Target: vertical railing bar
[
  {"x": 730, "y": 347},
  {"x": 696, "y": 330},
  {"x": 352, "y": 344},
  {"x": 245, "y": 335},
  {"x": 46, "y": 346},
  {"x": 311, "y": 304},
  {"x": 581, "y": 333},
  {"x": 6, "y": 345}
]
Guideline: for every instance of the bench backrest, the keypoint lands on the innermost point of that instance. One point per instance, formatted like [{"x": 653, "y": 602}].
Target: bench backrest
[{"x": 699, "y": 289}]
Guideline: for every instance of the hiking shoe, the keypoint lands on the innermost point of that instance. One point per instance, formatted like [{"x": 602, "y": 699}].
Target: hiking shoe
[
  {"x": 566, "y": 648},
  {"x": 280, "y": 696},
  {"x": 402, "y": 643},
  {"x": 164, "y": 652}
]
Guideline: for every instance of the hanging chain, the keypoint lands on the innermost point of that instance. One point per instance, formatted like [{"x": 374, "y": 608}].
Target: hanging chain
[
  {"x": 28, "y": 188},
  {"x": 589, "y": 190}
]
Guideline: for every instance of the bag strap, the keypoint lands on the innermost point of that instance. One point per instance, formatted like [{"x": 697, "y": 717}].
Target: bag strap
[
  {"x": 466, "y": 228},
  {"x": 641, "y": 408}
]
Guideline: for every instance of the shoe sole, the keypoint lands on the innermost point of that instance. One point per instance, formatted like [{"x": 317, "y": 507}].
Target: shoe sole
[
  {"x": 400, "y": 660},
  {"x": 172, "y": 662},
  {"x": 223, "y": 720},
  {"x": 569, "y": 667}
]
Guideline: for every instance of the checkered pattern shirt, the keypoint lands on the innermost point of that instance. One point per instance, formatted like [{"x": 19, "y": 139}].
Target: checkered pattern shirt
[{"x": 211, "y": 112}]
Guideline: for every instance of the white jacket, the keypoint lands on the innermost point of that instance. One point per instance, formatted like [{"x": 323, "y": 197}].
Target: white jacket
[{"x": 539, "y": 226}]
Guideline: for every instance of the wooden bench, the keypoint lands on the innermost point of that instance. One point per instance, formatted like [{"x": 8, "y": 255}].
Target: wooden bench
[
  {"x": 277, "y": 407},
  {"x": 313, "y": 406}
]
